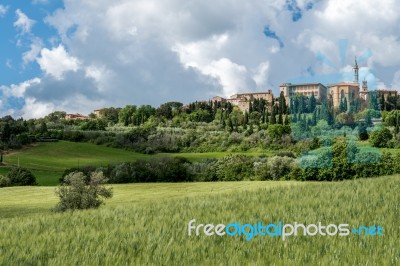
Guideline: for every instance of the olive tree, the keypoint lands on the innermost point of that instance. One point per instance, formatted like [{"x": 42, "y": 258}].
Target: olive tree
[{"x": 79, "y": 193}]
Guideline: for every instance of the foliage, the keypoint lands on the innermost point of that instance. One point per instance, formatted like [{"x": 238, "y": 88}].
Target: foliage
[
  {"x": 234, "y": 168},
  {"x": 97, "y": 124},
  {"x": 362, "y": 132},
  {"x": 168, "y": 169},
  {"x": 19, "y": 176},
  {"x": 78, "y": 194},
  {"x": 380, "y": 138},
  {"x": 4, "y": 181}
]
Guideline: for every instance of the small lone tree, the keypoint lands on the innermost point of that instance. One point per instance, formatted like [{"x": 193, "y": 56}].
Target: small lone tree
[{"x": 78, "y": 193}]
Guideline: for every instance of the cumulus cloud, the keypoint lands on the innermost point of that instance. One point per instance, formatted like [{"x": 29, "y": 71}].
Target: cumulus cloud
[
  {"x": 34, "y": 108},
  {"x": 148, "y": 51},
  {"x": 32, "y": 54},
  {"x": 57, "y": 61},
  {"x": 23, "y": 23},
  {"x": 261, "y": 74},
  {"x": 18, "y": 90}
]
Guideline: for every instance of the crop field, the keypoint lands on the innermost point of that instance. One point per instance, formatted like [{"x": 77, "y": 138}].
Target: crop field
[
  {"x": 49, "y": 160},
  {"x": 147, "y": 224}
]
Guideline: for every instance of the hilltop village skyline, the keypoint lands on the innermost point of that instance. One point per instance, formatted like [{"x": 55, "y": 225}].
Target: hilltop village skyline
[{"x": 349, "y": 90}]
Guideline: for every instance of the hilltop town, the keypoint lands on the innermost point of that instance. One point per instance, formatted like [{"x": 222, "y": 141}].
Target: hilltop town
[{"x": 351, "y": 91}]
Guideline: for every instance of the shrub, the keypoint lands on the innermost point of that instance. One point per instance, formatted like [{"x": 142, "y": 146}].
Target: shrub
[
  {"x": 4, "y": 181},
  {"x": 168, "y": 169},
  {"x": 172, "y": 169},
  {"x": 76, "y": 194},
  {"x": 261, "y": 170},
  {"x": 234, "y": 168},
  {"x": 362, "y": 132},
  {"x": 235, "y": 138},
  {"x": 85, "y": 170},
  {"x": 204, "y": 171},
  {"x": 286, "y": 154},
  {"x": 279, "y": 167},
  {"x": 19, "y": 176},
  {"x": 380, "y": 138}
]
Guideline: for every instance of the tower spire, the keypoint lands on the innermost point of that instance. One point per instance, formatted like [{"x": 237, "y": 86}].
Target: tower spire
[{"x": 355, "y": 68}]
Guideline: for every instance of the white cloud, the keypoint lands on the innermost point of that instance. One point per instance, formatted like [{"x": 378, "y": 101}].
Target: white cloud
[
  {"x": 396, "y": 80},
  {"x": 3, "y": 10},
  {"x": 261, "y": 74},
  {"x": 34, "y": 108},
  {"x": 148, "y": 51},
  {"x": 232, "y": 77},
  {"x": 57, "y": 61},
  {"x": 18, "y": 90},
  {"x": 32, "y": 54},
  {"x": 23, "y": 22}
]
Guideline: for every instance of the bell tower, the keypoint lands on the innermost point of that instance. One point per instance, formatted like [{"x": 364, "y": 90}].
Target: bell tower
[{"x": 355, "y": 68}]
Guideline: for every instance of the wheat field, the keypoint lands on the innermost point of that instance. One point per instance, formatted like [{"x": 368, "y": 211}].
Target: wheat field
[{"x": 147, "y": 224}]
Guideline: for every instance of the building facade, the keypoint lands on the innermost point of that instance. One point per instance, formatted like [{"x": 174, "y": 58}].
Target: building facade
[
  {"x": 306, "y": 89},
  {"x": 348, "y": 90},
  {"x": 242, "y": 100},
  {"x": 75, "y": 117}
]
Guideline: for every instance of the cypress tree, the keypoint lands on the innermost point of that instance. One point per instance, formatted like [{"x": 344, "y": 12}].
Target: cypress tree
[
  {"x": 273, "y": 118},
  {"x": 280, "y": 119}
]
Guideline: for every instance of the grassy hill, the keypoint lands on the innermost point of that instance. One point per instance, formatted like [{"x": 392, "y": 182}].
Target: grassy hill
[
  {"x": 49, "y": 160},
  {"x": 147, "y": 224}
]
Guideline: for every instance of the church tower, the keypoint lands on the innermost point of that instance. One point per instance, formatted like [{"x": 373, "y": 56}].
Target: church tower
[
  {"x": 364, "y": 91},
  {"x": 365, "y": 85},
  {"x": 355, "y": 68}
]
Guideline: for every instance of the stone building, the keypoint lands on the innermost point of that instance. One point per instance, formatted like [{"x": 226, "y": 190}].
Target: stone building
[
  {"x": 386, "y": 93},
  {"x": 242, "y": 100},
  {"x": 75, "y": 117},
  {"x": 348, "y": 90},
  {"x": 306, "y": 89}
]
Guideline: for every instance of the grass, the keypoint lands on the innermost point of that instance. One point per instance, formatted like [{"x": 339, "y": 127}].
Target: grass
[
  {"x": 23, "y": 201},
  {"x": 49, "y": 160},
  {"x": 147, "y": 224}
]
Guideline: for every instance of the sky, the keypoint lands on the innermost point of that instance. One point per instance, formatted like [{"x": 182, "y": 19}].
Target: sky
[{"x": 77, "y": 56}]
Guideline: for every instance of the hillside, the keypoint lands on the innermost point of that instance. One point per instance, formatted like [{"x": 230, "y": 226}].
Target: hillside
[{"x": 49, "y": 160}]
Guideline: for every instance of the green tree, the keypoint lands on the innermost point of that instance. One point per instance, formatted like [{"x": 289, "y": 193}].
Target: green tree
[
  {"x": 282, "y": 104},
  {"x": 312, "y": 103},
  {"x": 362, "y": 132},
  {"x": 380, "y": 138},
  {"x": 277, "y": 131},
  {"x": 19, "y": 176},
  {"x": 273, "y": 115},
  {"x": 78, "y": 194},
  {"x": 255, "y": 117},
  {"x": 125, "y": 114}
]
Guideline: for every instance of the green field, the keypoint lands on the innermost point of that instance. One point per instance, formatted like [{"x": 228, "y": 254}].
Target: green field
[
  {"x": 49, "y": 160},
  {"x": 147, "y": 224}
]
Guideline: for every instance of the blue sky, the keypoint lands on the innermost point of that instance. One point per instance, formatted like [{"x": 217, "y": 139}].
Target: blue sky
[
  {"x": 78, "y": 56},
  {"x": 15, "y": 42}
]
